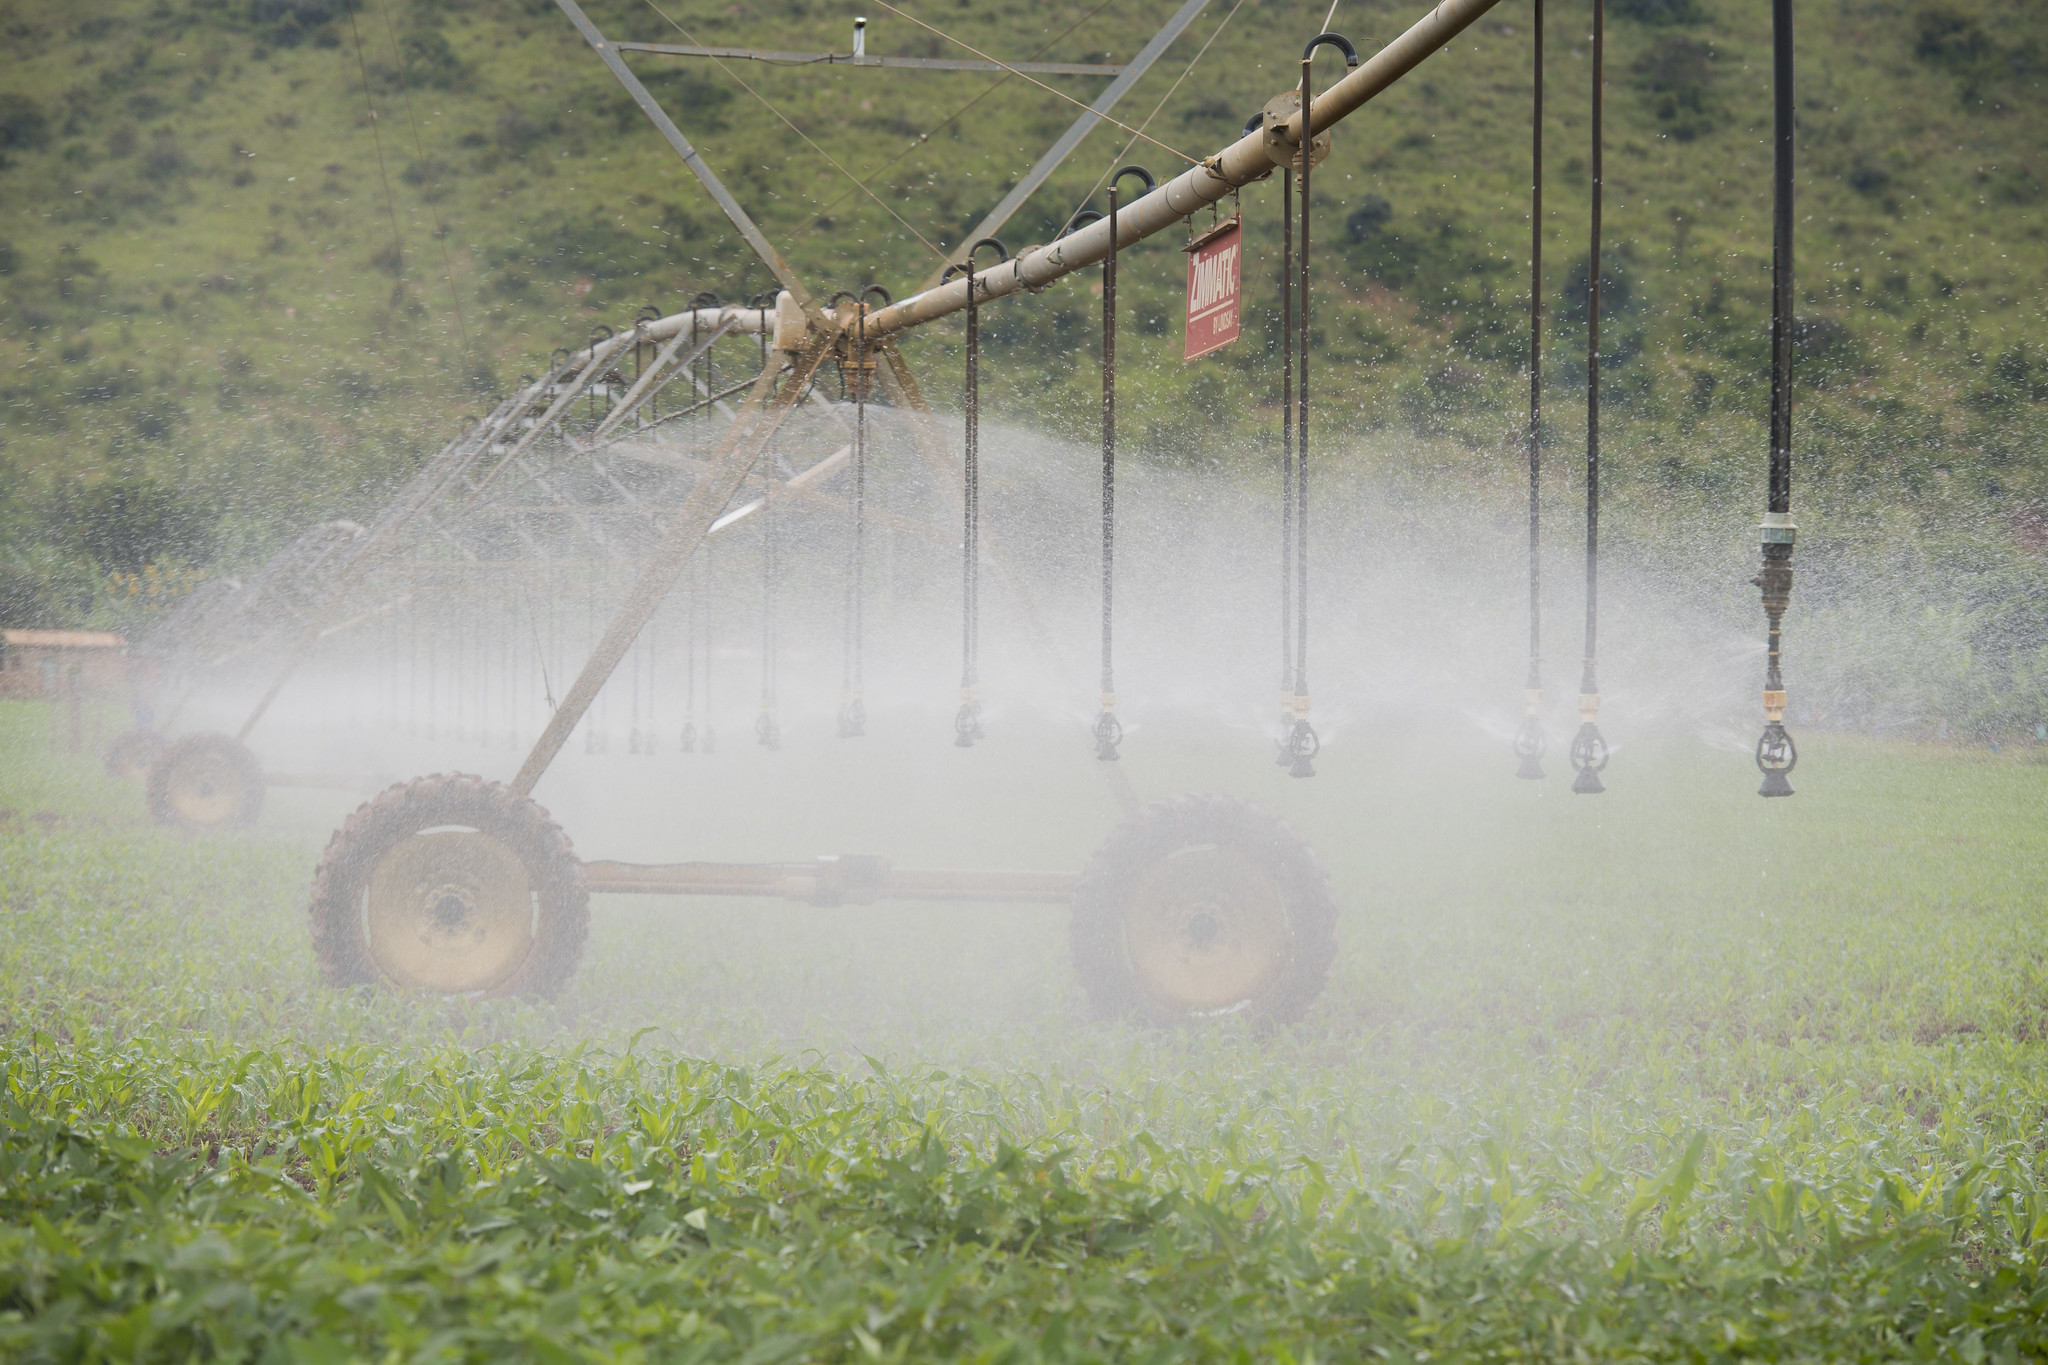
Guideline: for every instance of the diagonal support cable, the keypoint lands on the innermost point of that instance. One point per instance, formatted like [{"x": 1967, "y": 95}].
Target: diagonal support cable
[
  {"x": 770, "y": 257},
  {"x": 1082, "y": 126}
]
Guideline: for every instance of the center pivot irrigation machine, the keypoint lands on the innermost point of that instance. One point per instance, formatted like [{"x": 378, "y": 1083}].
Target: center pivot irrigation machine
[{"x": 581, "y": 519}]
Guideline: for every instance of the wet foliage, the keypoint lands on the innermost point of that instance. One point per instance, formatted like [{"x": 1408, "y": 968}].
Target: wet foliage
[{"x": 1584, "y": 1083}]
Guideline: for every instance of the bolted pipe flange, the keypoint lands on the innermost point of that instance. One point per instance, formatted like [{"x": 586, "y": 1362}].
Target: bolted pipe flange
[{"x": 1274, "y": 116}]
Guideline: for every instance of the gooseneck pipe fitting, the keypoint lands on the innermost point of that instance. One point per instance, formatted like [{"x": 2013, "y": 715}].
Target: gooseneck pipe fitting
[{"x": 1250, "y": 158}]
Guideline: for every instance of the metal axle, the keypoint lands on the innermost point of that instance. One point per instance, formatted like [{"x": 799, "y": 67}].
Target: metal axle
[{"x": 846, "y": 879}]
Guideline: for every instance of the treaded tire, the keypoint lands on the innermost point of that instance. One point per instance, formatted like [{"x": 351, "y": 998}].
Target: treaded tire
[
  {"x": 205, "y": 782},
  {"x": 342, "y": 881},
  {"x": 133, "y": 753},
  {"x": 1292, "y": 913}
]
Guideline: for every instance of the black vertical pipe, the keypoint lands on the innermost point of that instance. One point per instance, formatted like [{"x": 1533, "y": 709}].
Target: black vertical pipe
[
  {"x": 1781, "y": 260},
  {"x": 1529, "y": 739},
  {"x": 860, "y": 505},
  {"x": 1596, "y": 268},
  {"x": 1589, "y": 749},
  {"x": 1301, "y": 406},
  {"x": 1301, "y": 738},
  {"x": 1775, "y": 752},
  {"x": 1286, "y": 460},
  {"x": 1107, "y": 732},
  {"x": 967, "y": 722},
  {"x": 1302, "y": 744},
  {"x": 853, "y": 710},
  {"x": 1536, "y": 362},
  {"x": 971, "y": 464}
]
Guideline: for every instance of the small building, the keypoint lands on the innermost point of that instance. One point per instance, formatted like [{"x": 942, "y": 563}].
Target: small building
[{"x": 36, "y": 664}]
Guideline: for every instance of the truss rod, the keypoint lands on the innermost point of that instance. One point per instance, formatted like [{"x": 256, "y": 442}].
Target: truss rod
[
  {"x": 685, "y": 533},
  {"x": 665, "y": 362}
]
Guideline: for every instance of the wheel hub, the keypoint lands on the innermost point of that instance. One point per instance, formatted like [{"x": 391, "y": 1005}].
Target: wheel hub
[
  {"x": 1206, "y": 931},
  {"x": 205, "y": 789},
  {"x": 450, "y": 911}
]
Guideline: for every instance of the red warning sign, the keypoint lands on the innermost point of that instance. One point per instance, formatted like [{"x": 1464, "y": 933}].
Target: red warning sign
[{"x": 1215, "y": 272}]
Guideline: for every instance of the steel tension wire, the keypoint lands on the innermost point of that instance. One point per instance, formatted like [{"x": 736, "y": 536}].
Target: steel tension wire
[
  {"x": 1302, "y": 741},
  {"x": 1776, "y": 755},
  {"x": 1530, "y": 741},
  {"x": 1589, "y": 749},
  {"x": 967, "y": 722}
]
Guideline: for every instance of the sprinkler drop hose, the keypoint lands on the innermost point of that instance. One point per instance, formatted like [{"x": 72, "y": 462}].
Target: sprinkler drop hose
[
  {"x": 1776, "y": 755},
  {"x": 1589, "y": 747}
]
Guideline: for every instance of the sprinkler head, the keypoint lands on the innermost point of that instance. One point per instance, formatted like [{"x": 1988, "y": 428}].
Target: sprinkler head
[
  {"x": 766, "y": 732},
  {"x": 966, "y": 726},
  {"x": 1302, "y": 747},
  {"x": 689, "y": 738},
  {"x": 1529, "y": 746},
  {"x": 853, "y": 719},
  {"x": 1776, "y": 756},
  {"x": 1108, "y": 734},
  {"x": 1589, "y": 756}
]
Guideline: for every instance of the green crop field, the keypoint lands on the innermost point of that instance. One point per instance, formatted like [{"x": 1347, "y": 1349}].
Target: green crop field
[{"x": 1671, "y": 1074}]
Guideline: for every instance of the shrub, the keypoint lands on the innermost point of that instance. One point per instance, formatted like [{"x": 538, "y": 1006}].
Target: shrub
[
  {"x": 22, "y": 122},
  {"x": 1678, "y": 75}
]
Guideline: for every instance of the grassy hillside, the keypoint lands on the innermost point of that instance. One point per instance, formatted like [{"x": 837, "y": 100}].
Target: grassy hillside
[{"x": 257, "y": 256}]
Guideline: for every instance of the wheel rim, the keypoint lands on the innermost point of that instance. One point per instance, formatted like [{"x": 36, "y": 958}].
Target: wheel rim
[
  {"x": 206, "y": 789},
  {"x": 1206, "y": 931},
  {"x": 132, "y": 761},
  {"x": 451, "y": 911}
]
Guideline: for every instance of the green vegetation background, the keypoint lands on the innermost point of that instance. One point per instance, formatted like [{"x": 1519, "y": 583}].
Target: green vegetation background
[{"x": 234, "y": 302}]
